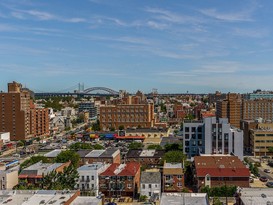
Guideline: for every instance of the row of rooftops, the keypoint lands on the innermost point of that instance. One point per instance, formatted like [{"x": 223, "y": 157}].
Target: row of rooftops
[
  {"x": 111, "y": 152},
  {"x": 37, "y": 197}
]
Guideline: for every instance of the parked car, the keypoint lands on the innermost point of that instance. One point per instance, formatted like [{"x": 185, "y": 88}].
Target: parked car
[
  {"x": 251, "y": 180},
  {"x": 269, "y": 184},
  {"x": 267, "y": 171},
  {"x": 263, "y": 179}
]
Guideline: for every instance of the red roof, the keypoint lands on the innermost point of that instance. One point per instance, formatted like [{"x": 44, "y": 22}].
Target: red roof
[
  {"x": 22, "y": 176},
  {"x": 130, "y": 169},
  {"x": 223, "y": 172},
  {"x": 220, "y": 166}
]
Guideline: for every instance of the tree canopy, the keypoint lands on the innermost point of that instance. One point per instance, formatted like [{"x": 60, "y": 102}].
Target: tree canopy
[
  {"x": 173, "y": 147},
  {"x": 155, "y": 146},
  {"x": 135, "y": 145},
  {"x": 174, "y": 157},
  {"x": 68, "y": 155}
]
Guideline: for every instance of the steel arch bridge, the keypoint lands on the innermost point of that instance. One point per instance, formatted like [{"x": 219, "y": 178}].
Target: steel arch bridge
[{"x": 110, "y": 91}]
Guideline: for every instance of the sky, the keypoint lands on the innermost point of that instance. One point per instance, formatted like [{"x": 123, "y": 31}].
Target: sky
[{"x": 174, "y": 46}]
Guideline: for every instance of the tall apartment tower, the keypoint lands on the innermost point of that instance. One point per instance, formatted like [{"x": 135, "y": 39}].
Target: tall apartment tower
[
  {"x": 15, "y": 112},
  {"x": 230, "y": 108}
]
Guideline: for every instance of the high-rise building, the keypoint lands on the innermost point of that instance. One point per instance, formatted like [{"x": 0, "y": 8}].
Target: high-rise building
[
  {"x": 19, "y": 116},
  {"x": 39, "y": 120},
  {"x": 230, "y": 108},
  {"x": 15, "y": 112}
]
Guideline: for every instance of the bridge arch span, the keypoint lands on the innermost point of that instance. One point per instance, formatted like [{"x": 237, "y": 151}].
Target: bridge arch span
[{"x": 110, "y": 91}]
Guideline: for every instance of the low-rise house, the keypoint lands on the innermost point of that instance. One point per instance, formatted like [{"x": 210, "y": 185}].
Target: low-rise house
[
  {"x": 110, "y": 155},
  {"x": 173, "y": 177},
  {"x": 184, "y": 198},
  {"x": 148, "y": 158},
  {"x": 34, "y": 173},
  {"x": 120, "y": 180},
  {"x": 215, "y": 171},
  {"x": 150, "y": 184},
  {"x": 52, "y": 154},
  {"x": 88, "y": 177},
  {"x": 8, "y": 179}
]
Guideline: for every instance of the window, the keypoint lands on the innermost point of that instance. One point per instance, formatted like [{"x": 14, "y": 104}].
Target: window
[
  {"x": 150, "y": 193},
  {"x": 129, "y": 186},
  {"x": 130, "y": 178},
  {"x": 92, "y": 177},
  {"x": 187, "y": 143},
  {"x": 187, "y": 129},
  {"x": 199, "y": 129},
  {"x": 193, "y": 129},
  {"x": 187, "y": 136},
  {"x": 179, "y": 177},
  {"x": 87, "y": 185},
  {"x": 82, "y": 178},
  {"x": 179, "y": 184},
  {"x": 150, "y": 186},
  {"x": 143, "y": 186}
]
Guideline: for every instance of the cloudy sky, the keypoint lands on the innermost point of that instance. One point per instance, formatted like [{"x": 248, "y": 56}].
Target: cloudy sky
[{"x": 175, "y": 46}]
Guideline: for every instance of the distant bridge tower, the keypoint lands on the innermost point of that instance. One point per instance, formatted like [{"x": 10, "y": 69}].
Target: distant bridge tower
[{"x": 80, "y": 88}]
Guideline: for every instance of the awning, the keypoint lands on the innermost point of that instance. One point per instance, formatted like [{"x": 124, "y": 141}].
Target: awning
[{"x": 22, "y": 176}]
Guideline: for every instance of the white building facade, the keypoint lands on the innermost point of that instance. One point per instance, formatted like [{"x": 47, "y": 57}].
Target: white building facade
[
  {"x": 89, "y": 177},
  {"x": 150, "y": 184},
  {"x": 212, "y": 136}
]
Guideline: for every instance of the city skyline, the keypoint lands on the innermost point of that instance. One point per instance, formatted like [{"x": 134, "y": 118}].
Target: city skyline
[{"x": 174, "y": 46}]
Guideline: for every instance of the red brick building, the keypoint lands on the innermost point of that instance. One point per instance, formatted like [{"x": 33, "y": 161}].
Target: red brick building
[
  {"x": 173, "y": 177},
  {"x": 132, "y": 111},
  {"x": 120, "y": 180},
  {"x": 19, "y": 115},
  {"x": 15, "y": 112},
  {"x": 215, "y": 171}
]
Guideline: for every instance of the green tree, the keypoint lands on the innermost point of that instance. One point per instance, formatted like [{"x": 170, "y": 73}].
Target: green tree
[
  {"x": 121, "y": 127},
  {"x": 61, "y": 180},
  {"x": 135, "y": 145},
  {"x": 270, "y": 149},
  {"x": 96, "y": 126},
  {"x": 174, "y": 157},
  {"x": 80, "y": 145},
  {"x": 112, "y": 129},
  {"x": 20, "y": 144},
  {"x": 155, "y": 146},
  {"x": 68, "y": 155},
  {"x": 173, "y": 147},
  {"x": 98, "y": 146},
  {"x": 143, "y": 198},
  {"x": 69, "y": 177}
]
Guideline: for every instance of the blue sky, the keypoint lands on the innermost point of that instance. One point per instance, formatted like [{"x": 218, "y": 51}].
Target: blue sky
[{"x": 198, "y": 46}]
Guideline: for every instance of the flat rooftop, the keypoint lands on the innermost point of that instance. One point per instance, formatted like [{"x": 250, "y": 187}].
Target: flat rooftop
[
  {"x": 81, "y": 200},
  {"x": 256, "y": 195},
  {"x": 53, "y": 153},
  {"x": 89, "y": 167},
  {"x": 95, "y": 153},
  {"x": 184, "y": 198}
]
